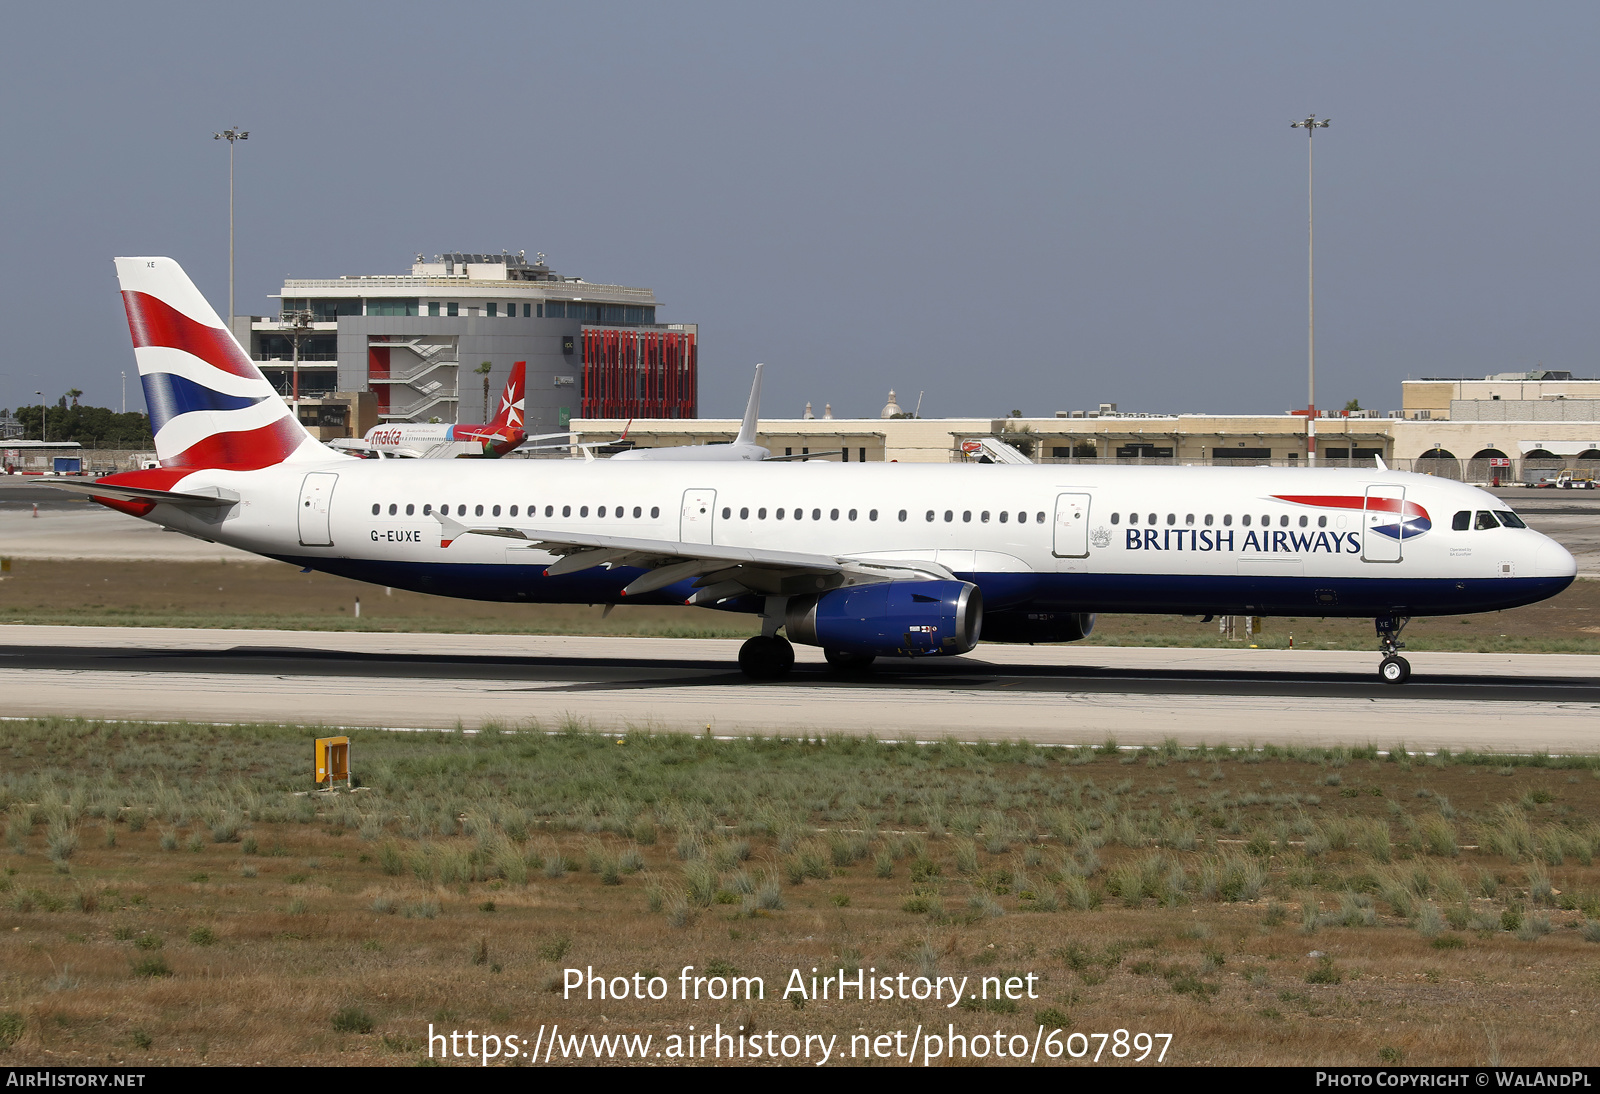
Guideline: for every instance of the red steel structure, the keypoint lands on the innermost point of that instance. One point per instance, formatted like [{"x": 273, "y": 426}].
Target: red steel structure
[{"x": 639, "y": 373}]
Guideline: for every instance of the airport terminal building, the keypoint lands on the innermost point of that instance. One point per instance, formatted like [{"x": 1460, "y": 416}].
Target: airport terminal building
[
  {"x": 415, "y": 343},
  {"x": 1498, "y": 428}
]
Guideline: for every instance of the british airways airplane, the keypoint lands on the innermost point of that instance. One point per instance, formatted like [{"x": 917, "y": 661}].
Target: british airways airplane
[{"x": 863, "y": 560}]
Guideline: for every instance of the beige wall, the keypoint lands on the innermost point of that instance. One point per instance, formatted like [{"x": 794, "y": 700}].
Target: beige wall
[{"x": 1192, "y": 436}]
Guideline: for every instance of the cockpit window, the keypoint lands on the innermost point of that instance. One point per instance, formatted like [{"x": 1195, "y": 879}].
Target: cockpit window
[
  {"x": 1509, "y": 519},
  {"x": 1462, "y": 520},
  {"x": 1486, "y": 520}
]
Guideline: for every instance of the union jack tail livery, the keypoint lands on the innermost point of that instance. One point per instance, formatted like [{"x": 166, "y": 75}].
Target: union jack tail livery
[{"x": 210, "y": 407}]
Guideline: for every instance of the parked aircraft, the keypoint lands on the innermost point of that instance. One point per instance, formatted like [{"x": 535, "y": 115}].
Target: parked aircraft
[
  {"x": 744, "y": 446},
  {"x": 423, "y": 440},
  {"x": 864, "y": 561}
]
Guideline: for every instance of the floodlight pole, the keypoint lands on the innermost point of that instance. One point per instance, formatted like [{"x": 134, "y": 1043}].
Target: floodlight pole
[
  {"x": 1311, "y": 125},
  {"x": 230, "y": 135},
  {"x": 42, "y": 437},
  {"x": 298, "y": 323}
]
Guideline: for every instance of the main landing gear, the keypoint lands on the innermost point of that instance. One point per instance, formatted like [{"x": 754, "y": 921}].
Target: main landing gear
[
  {"x": 1393, "y": 669},
  {"x": 766, "y": 657}
]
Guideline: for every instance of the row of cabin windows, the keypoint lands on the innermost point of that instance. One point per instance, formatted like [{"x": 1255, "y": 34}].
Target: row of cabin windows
[
  {"x": 1227, "y": 520},
  {"x": 617, "y": 511},
  {"x": 1486, "y": 519},
  {"x": 621, "y": 511},
  {"x": 872, "y": 514}
]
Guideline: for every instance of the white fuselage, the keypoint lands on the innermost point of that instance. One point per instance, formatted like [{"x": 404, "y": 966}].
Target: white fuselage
[{"x": 1185, "y": 539}]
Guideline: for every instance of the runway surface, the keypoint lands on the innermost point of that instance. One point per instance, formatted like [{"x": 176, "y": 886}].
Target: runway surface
[{"x": 1058, "y": 695}]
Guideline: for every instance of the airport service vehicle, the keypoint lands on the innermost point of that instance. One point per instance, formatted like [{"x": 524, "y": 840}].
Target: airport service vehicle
[
  {"x": 423, "y": 440},
  {"x": 1575, "y": 480},
  {"x": 863, "y": 560}
]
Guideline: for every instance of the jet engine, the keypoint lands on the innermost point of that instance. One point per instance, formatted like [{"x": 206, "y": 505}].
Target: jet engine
[{"x": 905, "y": 618}]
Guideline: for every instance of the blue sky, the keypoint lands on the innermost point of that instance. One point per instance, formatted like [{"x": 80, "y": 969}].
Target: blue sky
[{"x": 1005, "y": 205}]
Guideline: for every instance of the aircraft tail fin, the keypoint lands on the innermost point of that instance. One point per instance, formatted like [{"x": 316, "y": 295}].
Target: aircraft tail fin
[
  {"x": 209, "y": 405},
  {"x": 752, "y": 413},
  {"x": 513, "y": 399}
]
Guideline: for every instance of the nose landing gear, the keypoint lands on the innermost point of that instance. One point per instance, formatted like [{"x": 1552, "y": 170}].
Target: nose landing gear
[{"x": 1393, "y": 669}]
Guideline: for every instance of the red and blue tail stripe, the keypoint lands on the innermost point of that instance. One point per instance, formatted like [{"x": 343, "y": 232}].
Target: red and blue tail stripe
[{"x": 210, "y": 407}]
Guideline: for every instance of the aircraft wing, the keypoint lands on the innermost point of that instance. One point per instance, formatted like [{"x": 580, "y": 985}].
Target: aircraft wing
[
  {"x": 217, "y": 497},
  {"x": 719, "y": 572}
]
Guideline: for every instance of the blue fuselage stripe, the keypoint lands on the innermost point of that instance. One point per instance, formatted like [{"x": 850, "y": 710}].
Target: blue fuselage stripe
[{"x": 1104, "y": 593}]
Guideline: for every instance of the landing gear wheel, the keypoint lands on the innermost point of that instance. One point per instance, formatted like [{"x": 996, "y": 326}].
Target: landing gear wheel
[
  {"x": 766, "y": 657},
  {"x": 1395, "y": 670},
  {"x": 843, "y": 661}
]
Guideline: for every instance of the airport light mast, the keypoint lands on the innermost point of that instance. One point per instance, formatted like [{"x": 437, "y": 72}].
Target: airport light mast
[
  {"x": 231, "y": 136},
  {"x": 1311, "y": 125}
]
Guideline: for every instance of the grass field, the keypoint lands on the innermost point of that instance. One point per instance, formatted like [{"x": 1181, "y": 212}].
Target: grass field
[
  {"x": 274, "y": 595},
  {"x": 171, "y": 894}
]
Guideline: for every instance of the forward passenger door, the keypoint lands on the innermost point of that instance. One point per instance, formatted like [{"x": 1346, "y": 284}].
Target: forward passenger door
[{"x": 1383, "y": 524}]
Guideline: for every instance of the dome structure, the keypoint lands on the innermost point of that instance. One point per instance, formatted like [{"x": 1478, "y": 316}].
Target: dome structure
[{"x": 891, "y": 408}]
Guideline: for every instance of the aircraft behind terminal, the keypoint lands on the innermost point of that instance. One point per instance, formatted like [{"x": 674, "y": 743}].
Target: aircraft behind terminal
[
  {"x": 744, "y": 446},
  {"x": 863, "y": 560},
  {"x": 425, "y": 440}
]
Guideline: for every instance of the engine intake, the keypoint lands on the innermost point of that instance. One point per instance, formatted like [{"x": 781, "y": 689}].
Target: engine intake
[{"x": 908, "y": 618}]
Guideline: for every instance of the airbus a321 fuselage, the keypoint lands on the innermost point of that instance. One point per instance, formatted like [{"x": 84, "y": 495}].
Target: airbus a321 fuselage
[{"x": 864, "y": 560}]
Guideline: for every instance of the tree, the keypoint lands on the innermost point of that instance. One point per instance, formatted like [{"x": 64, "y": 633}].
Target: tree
[
  {"x": 92, "y": 426},
  {"x": 73, "y": 393},
  {"x": 483, "y": 370},
  {"x": 1352, "y": 405}
]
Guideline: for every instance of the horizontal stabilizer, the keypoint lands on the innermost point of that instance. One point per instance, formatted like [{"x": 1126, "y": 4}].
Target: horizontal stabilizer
[{"x": 214, "y": 498}]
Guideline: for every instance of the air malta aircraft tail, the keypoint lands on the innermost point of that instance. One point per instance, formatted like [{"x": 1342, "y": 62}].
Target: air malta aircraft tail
[
  {"x": 210, "y": 407},
  {"x": 505, "y": 431}
]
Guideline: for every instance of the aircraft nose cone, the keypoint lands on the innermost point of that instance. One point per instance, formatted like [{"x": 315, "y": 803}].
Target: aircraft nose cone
[{"x": 1555, "y": 560}]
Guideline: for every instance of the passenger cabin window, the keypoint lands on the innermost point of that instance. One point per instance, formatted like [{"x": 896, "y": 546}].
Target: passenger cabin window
[
  {"x": 550, "y": 510},
  {"x": 1188, "y": 518},
  {"x": 495, "y": 511},
  {"x": 1486, "y": 520},
  {"x": 1208, "y": 520},
  {"x": 727, "y": 512},
  {"x": 1322, "y": 522},
  {"x": 1245, "y": 520},
  {"x": 636, "y": 512},
  {"x": 1039, "y": 518},
  {"x": 930, "y": 515},
  {"x": 1004, "y": 516},
  {"x": 655, "y": 511},
  {"x": 1133, "y": 518},
  {"x": 761, "y": 514},
  {"x": 1172, "y": 518},
  {"x": 1116, "y": 518},
  {"x": 902, "y": 514},
  {"x": 744, "y": 513},
  {"x": 1304, "y": 520},
  {"x": 566, "y": 510},
  {"x": 1227, "y": 520}
]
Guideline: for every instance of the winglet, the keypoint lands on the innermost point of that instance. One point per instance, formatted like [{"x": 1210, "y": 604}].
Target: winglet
[
  {"x": 1381, "y": 465},
  {"x": 752, "y": 411}
]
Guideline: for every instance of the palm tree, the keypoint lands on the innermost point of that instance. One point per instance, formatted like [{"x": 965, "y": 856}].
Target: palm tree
[
  {"x": 483, "y": 370},
  {"x": 73, "y": 393}
]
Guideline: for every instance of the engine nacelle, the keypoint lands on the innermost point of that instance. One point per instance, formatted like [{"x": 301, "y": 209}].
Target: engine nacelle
[
  {"x": 1033, "y": 626},
  {"x": 905, "y": 618}
]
